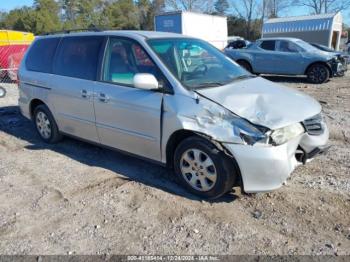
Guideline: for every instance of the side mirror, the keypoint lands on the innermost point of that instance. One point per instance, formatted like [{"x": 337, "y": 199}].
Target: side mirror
[{"x": 145, "y": 81}]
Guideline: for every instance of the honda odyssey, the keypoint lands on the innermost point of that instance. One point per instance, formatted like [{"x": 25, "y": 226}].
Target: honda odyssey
[{"x": 174, "y": 100}]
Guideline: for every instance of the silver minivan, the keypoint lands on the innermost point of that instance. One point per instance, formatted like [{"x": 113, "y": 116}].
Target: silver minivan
[{"x": 172, "y": 99}]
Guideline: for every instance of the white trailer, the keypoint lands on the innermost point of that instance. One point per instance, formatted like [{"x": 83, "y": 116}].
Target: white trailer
[{"x": 210, "y": 28}]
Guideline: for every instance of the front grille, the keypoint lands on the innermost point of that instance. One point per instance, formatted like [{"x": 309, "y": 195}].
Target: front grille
[{"x": 314, "y": 125}]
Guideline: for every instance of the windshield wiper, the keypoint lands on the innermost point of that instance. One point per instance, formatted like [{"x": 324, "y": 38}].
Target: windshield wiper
[
  {"x": 243, "y": 77},
  {"x": 208, "y": 84}
]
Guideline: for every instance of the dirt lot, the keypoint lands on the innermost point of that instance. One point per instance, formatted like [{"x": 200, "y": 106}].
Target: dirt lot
[{"x": 75, "y": 198}]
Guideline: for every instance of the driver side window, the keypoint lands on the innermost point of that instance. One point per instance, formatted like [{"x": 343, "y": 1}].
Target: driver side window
[{"x": 124, "y": 59}]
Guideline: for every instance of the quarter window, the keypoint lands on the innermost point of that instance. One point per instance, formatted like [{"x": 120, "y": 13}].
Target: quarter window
[
  {"x": 268, "y": 45},
  {"x": 41, "y": 55},
  {"x": 125, "y": 58},
  {"x": 78, "y": 57}
]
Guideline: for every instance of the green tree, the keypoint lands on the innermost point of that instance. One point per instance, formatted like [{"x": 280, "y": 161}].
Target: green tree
[
  {"x": 3, "y": 16},
  {"x": 122, "y": 15},
  {"x": 21, "y": 19},
  {"x": 147, "y": 9},
  {"x": 69, "y": 9},
  {"x": 90, "y": 13},
  {"x": 46, "y": 16}
]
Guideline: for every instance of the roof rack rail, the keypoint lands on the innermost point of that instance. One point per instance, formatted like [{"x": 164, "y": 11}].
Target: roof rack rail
[{"x": 68, "y": 31}]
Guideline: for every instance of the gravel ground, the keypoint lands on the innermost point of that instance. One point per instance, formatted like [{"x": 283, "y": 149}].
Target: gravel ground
[{"x": 75, "y": 198}]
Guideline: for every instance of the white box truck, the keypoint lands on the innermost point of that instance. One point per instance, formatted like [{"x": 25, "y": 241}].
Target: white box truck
[{"x": 210, "y": 28}]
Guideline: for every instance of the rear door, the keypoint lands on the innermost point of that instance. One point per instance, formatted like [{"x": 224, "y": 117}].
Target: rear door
[
  {"x": 75, "y": 72},
  {"x": 265, "y": 58},
  {"x": 128, "y": 118}
]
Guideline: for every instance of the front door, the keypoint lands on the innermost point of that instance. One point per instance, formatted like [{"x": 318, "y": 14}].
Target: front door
[
  {"x": 128, "y": 118},
  {"x": 289, "y": 58}
]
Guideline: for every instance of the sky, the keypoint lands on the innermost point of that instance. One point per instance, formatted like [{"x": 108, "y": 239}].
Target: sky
[{"x": 10, "y": 4}]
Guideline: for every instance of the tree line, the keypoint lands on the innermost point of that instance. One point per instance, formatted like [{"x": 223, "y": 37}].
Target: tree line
[{"x": 245, "y": 17}]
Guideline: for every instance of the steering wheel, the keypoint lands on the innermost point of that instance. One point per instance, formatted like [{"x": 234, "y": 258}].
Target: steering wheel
[{"x": 201, "y": 69}]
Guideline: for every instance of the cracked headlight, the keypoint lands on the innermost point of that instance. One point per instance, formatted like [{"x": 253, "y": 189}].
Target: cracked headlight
[
  {"x": 249, "y": 133},
  {"x": 228, "y": 127},
  {"x": 284, "y": 134}
]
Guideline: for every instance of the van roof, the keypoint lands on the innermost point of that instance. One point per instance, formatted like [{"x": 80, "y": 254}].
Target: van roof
[{"x": 129, "y": 33}]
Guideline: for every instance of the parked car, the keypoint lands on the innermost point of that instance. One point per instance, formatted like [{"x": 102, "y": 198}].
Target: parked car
[
  {"x": 172, "y": 99},
  {"x": 287, "y": 56},
  {"x": 348, "y": 46},
  {"x": 2, "y": 92},
  {"x": 342, "y": 57},
  {"x": 238, "y": 44}
]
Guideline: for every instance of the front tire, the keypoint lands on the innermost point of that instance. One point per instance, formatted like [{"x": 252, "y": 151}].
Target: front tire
[
  {"x": 46, "y": 125},
  {"x": 203, "y": 169},
  {"x": 318, "y": 74}
]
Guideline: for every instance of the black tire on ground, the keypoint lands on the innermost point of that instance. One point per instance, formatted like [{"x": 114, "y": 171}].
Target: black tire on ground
[
  {"x": 318, "y": 74},
  {"x": 223, "y": 166},
  {"x": 44, "y": 121},
  {"x": 245, "y": 65}
]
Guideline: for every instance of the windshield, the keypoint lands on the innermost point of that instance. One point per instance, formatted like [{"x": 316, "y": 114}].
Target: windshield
[
  {"x": 195, "y": 63},
  {"x": 324, "y": 48},
  {"x": 306, "y": 46}
]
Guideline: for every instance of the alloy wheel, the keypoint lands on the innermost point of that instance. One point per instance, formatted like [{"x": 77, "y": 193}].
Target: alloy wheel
[
  {"x": 318, "y": 74},
  {"x": 198, "y": 170},
  {"x": 43, "y": 125}
]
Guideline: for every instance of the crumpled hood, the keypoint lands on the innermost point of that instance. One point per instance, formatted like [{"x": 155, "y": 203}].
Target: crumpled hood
[{"x": 263, "y": 102}]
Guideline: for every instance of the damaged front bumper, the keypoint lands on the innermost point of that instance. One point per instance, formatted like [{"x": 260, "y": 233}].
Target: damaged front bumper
[
  {"x": 338, "y": 67},
  {"x": 304, "y": 157},
  {"x": 267, "y": 168}
]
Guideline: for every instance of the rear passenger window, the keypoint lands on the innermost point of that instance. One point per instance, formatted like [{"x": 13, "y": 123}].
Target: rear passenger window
[
  {"x": 268, "y": 45},
  {"x": 78, "y": 57},
  {"x": 41, "y": 55}
]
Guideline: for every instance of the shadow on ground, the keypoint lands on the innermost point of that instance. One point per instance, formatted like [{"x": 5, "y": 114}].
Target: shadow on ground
[{"x": 134, "y": 169}]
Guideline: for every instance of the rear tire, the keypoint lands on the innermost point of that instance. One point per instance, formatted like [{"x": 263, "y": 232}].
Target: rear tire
[
  {"x": 318, "y": 74},
  {"x": 46, "y": 125},
  {"x": 203, "y": 169},
  {"x": 245, "y": 65}
]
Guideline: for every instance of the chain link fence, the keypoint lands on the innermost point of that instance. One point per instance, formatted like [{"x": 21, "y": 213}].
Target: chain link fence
[{"x": 10, "y": 58}]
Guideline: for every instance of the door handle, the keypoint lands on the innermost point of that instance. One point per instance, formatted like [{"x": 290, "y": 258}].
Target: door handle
[
  {"x": 84, "y": 94},
  {"x": 103, "y": 98}
]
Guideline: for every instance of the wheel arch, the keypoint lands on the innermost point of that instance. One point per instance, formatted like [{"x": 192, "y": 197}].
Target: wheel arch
[
  {"x": 245, "y": 60},
  {"x": 318, "y": 62},
  {"x": 34, "y": 104},
  {"x": 181, "y": 134},
  {"x": 174, "y": 140}
]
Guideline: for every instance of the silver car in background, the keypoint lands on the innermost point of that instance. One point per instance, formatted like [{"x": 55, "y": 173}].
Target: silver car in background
[{"x": 174, "y": 100}]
